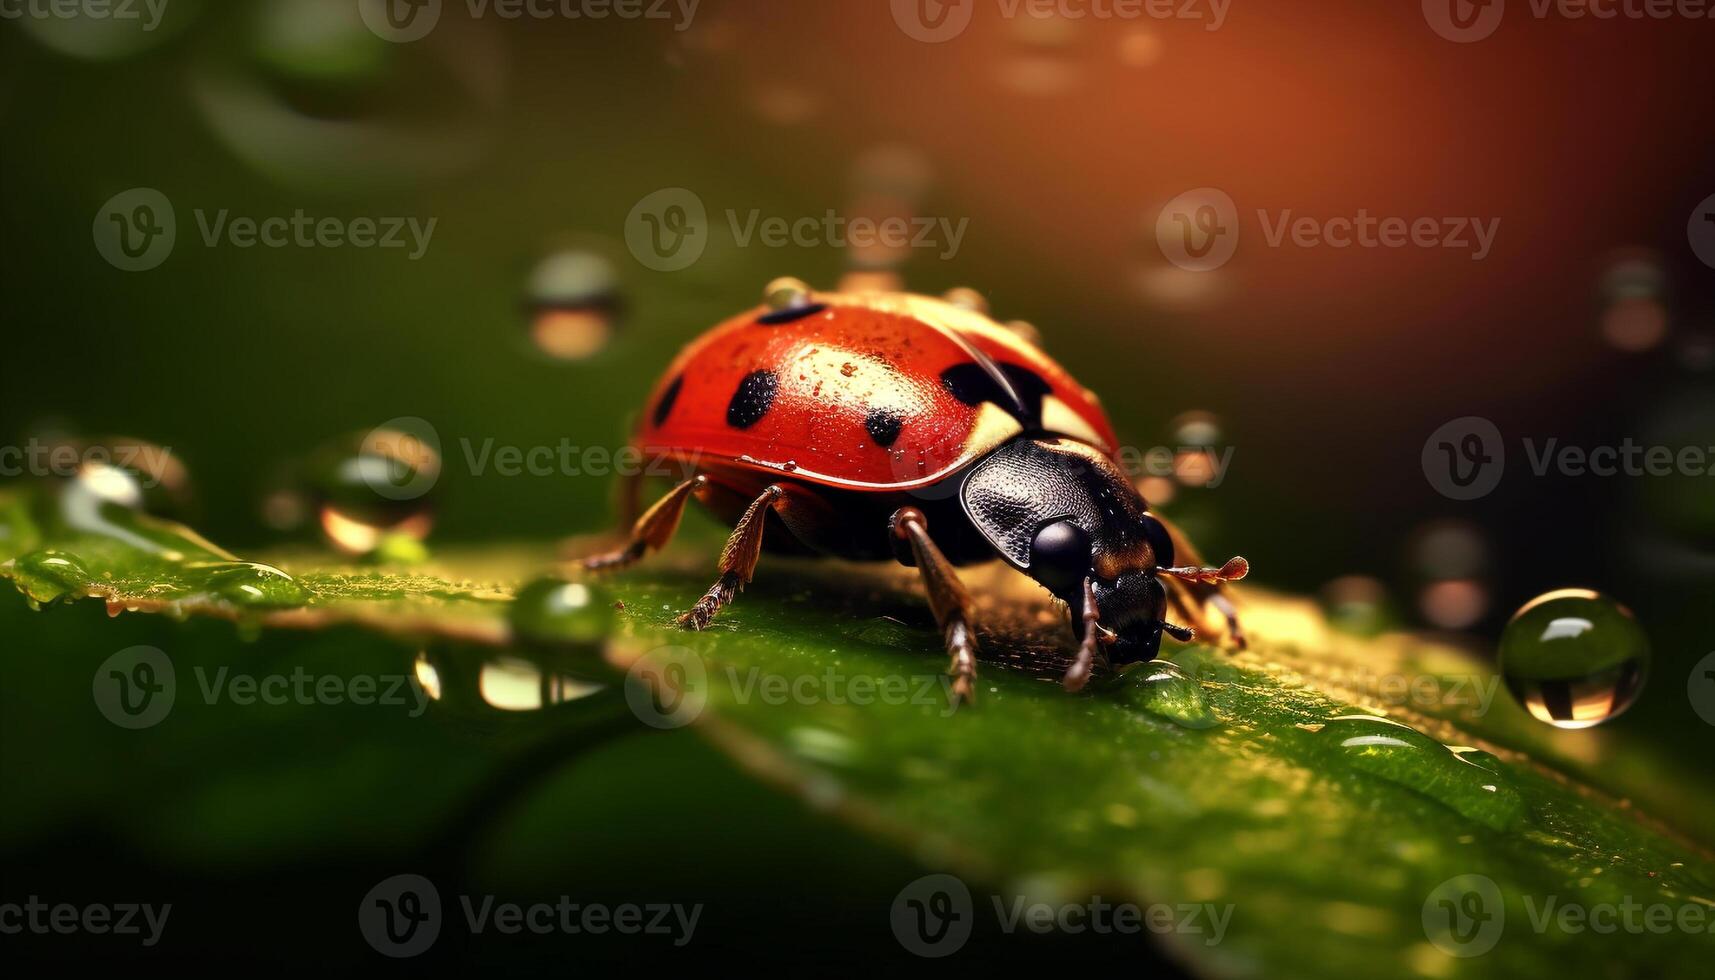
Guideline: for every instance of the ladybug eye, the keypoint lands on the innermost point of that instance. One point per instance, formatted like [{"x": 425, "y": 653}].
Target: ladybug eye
[
  {"x": 1159, "y": 540},
  {"x": 1060, "y": 556}
]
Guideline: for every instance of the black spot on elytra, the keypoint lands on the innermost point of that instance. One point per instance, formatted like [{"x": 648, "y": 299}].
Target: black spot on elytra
[
  {"x": 789, "y": 314},
  {"x": 973, "y": 384},
  {"x": 752, "y": 399},
  {"x": 883, "y": 426},
  {"x": 668, "y": 397}
]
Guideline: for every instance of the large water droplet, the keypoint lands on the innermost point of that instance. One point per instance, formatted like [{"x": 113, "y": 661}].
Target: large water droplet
[
  {"x": 1162, "y": 688},
  {"x": 1574, "y": 658},
  {"x": 1471, "y": 783},
  {"x": 253, "y": 585},
  {"x": 555, "y": 611},
  {"x": 377, "y": 485},
  {"x": 49, "y": 575}
]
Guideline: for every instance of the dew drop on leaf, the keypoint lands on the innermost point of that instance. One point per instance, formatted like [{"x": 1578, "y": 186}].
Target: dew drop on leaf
[{"x": 1574, "y": 658}]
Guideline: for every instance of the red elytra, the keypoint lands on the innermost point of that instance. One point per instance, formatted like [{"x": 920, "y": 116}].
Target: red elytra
[
  {"x": 859, "y": 397},
  {"x": 872, "y": 425}
]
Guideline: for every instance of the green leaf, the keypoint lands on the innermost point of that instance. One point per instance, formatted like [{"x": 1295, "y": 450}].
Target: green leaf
[{"x": 1318, "y": 796}]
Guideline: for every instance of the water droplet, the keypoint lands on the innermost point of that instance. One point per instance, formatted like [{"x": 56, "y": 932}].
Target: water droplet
[
  {"x": 555, "y": 611},
  {"x": 1162, "y": 688},
  {"x": 1574, "y": 658},
  {"x": 253, "y": 585},
  {"x": 786, "y": 293},
  {"x": 481, "y": 681},
  {"x": 49, "y": 575},
  {"x": 574, "y": 304},
  {"x": 1402, "y": 754},
  {"x": 376, "y": 484}
]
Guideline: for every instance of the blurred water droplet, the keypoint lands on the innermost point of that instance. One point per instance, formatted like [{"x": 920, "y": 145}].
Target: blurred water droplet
[
  {"x": 559, "y": 612},
  {"x": 1455, "y": 604},
  {"x": 366, "y": 488},
  {"x": 304, "y": 92},
  {"x": 1634, "y": 289},
  {"x": 892, "y": 170},
  {"x": 574, "y": 304},
  {"x": 1449, "y": 549},
  {"x": 1574, "y": 658},
  {"x": 1196, "y": 429},
  {"x": 1356, "y": 604}
]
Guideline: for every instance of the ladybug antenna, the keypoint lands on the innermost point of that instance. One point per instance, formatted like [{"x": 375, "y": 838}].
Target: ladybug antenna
[{"x": 1235, "y": 569}]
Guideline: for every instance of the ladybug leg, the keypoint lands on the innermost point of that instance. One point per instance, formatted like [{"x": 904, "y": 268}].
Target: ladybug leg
[
  {"x": 653, "y": 530},
  {"x": 738, "y": 559},
  {"x": 1193, "y": 586},
  {"x": 948, "y": 599},
  {"x": 1089, "y": 648}
]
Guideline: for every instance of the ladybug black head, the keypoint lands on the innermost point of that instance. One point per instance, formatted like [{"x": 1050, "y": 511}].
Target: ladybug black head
[{"x": 1062, "y": 512}]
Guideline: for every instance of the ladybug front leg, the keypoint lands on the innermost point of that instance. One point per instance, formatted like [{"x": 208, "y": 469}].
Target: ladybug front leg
[
  {"x": 738, "y": 558},
  {"x": 653, "y": 530},
  {"x": 948, "y": 599},
  {"x": 1089, "y": 648}
]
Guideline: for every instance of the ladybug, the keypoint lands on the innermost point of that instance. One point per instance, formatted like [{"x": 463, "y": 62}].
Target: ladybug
[{"x": 892, "y": 426}]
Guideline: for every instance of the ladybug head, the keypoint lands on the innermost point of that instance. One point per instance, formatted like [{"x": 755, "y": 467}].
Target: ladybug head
[{"x": 1062, "y": 512}]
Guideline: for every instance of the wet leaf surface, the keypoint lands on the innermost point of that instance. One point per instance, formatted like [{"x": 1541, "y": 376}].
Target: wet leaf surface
[{"x": 1305, "y": 801}]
